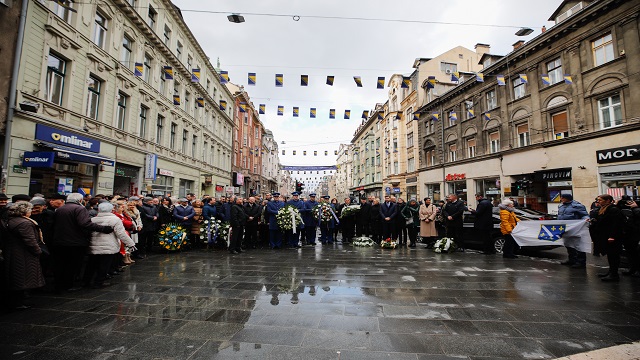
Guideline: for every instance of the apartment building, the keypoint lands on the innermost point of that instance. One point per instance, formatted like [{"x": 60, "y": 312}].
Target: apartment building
[{"x": 270, "y": 162}]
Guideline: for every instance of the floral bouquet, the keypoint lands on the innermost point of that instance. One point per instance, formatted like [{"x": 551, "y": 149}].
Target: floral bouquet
[
  {"x": 224, "y": 233},
  {"x": 349, "y": 211},
  {"x": 388, "y": 244},
  {"x": 324, "y": 212},
  {"x": 172, "y": 237},
  {"x": 363, "y": 241},
  {"x": 445, "y": 245},
  {"x": 289, "y": 218},
  {"x": 210, "y": 231}
]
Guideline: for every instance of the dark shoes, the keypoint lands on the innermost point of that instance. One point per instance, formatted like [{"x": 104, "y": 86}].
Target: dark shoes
[
  {"x": 611, "y": 278},
  {"x": 233, "y": 252},
  {"x": 567, "y": 263},
  {"x": 601, "y": 275}
]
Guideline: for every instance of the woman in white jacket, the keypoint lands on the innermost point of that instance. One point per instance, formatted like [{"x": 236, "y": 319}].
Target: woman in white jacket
[{"x": 103, "y": 247}]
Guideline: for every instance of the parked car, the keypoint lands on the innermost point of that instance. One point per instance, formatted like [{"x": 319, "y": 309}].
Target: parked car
[{"x": 529, "y": 214}]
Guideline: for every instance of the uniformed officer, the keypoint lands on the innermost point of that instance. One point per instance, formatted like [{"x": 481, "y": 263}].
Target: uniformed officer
[
  {"x": 275, "y": 234},
  {"x": 310, "y": 220},
  {"x": 293, "y": 239},
  {"x": 326, "y": 227}
]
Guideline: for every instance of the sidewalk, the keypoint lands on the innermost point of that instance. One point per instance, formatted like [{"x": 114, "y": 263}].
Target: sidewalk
[{"x": 620, "y": 352}]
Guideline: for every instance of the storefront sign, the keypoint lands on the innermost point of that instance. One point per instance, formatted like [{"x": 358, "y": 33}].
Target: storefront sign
[
  {"x": 150, "y": 166},
  {"x": 238, "y": 179},
  {"x": 39, "y": 159},
  {"x": 19, "y": 169},
  {"x": 230, "y": 190},
  {"x": 165, "y": 172},
  {"x": 626, "y": 153},
  {"x": 412, "y": 179},
  {"x": 559, "y": 183},
  {"x": 360, "y": 188},
  {"x": 89, "y": 159},
  {"x": 126, "y": 172},
  {"x": 557, "y": 174},
  {"x": 493, "y": 192},
  {"x": 65, "y": 138},
  {"x": 453, "y": 177},
  {"x": 395, "y": 190},
  {"x": 219, "y": 188}
]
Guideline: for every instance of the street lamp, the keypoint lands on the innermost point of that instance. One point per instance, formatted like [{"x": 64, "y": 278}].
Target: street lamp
[
  {"x": 524, "y": 31},
  {"x": 235, "y": 18}
]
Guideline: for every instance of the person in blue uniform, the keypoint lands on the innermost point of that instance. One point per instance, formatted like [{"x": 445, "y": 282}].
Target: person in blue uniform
[
  {"x": 293, "y": 239},
  {"x": 275, "y": 235},
  {"x": 310, "y": 221},
  {"x": 326, "y": 227}
]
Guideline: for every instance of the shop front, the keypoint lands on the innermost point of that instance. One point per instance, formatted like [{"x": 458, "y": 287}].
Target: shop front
[
  {"x": 457, "y": 184},
  {"x": 433, "y": 192},
  {"x": 163, "y": 183},
  {"x": 619, "y": 171},
  {"x": 126, "y": 180},
  {"x": 489, "y": 188},
  {"x": 548, "y": 186},
  {"x": 412, "y": 188}
]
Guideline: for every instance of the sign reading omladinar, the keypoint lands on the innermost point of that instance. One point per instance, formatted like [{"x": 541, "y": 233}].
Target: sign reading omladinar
[
  {"x": 66, "y": 138},
  {"x": 569, "y": 233}
]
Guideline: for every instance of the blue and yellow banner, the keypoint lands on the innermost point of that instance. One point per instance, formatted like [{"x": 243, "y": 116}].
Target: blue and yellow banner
[
  {"x": 453, "y": 116},
  {"x": 200, "y": 102},
  {"x": 431, "y": 82},
  {"x": 500, "y": 79},
  {"x": 380, "y": 116},
  {"x": 176, "y": 99},
  {"x": 224, "y": 77},
  {"x": 455, "y": 76},
  {"x": 406, "y": 82},
  {"x": 280, "y": 110},
  {"x": 546, "y": 80},
  {"x": 243, "y": 107},
  {"x": 347, "y": 114},
  {"x": 524, "y": 78},
  {"x": 470, "y": 113},
  {"x": 195, "y": 75},
  {"x": 294, "y": 152},
  {"x": 251, "y": 79},
  {"x": 296, "y": 111},
  {"x": 479, "y": 77},
  {"x": 567, "y": 79},
  {"x": 312, "y": 113},
  {"x": 487, "y": 116},
  {"x": 168, "y": 72},
  {"x": 262, "y": 109},
  {"x": 380, "y": 84},
  {"x": 365, "y": 114},
  {"x": 139, "y": 68},
  {"x": 416, "y": 116},
  {"x": 223, "y": 105},
  {"x": 304, "y": 80},
  {"x": 435, "y": 115},
  {"x": 358, "y": 80},
  {"x": 330, "y": 79},
  {"x": 332, "y": 113},
  {"x": 279, "y": 80}
]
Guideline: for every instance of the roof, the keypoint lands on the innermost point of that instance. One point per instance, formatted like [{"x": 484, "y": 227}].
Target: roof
[{"x": 486, "y": 55}]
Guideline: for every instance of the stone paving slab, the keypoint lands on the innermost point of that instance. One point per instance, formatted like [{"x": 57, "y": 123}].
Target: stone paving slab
[{"x": 332, "y": 302}]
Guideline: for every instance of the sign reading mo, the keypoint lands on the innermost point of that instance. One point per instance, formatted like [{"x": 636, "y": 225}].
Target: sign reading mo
[{"x": 626, "y": 153}]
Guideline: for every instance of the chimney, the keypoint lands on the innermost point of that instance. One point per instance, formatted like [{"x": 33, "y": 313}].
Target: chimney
[
  {"x": 544, "y": 28},
  {"x": 482, "y": 49},
  {"x": 518, "y": 44}
]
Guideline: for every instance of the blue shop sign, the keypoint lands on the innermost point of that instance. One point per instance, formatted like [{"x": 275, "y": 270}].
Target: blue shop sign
[
  {"x": 79, "y": 157},
  {"x": 39, "y": 159},
  {"x": 66, "y": 138}
]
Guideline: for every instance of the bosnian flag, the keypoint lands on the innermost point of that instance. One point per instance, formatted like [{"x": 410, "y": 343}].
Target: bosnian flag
[{"x": 569, "y": 233}]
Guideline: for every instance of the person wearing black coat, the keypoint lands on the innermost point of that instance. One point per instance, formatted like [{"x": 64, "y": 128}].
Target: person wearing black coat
[
  {"x": 253, "y": 210},
  {"x": 631, "y": 212},
  {"x": 150, "y": 215},
  {"x": 375, "y": 221},
  {"x": 452, "y": 213},
  {"x": 607, "y": 226},
  {"x": 347, "y": 222},
  {"x": 363, "y": 218},
  {"x": 237, "y": 220},
  {"x": 483, "y": 223},
  {"x": 388, "y": 212},
  {"x": 401, "y": 234}
]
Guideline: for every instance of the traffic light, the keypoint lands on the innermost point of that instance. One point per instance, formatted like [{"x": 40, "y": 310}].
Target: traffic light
[{"x": 299, "y": 186}]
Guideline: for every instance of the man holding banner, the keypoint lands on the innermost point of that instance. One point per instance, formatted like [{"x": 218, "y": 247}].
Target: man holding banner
[{"x": 573, "y": 210}]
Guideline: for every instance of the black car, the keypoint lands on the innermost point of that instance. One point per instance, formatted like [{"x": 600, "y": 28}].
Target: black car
[{"x": 529, "y": 214}]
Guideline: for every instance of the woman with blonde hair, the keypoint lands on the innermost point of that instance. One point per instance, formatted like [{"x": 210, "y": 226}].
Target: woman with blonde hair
[
  {"x": 508, "y": 221},
  {"x": 197, "y": 223},
  {"x": 427, "y": 213},
  {"x": 133, "y": 213},
  {"x": 607, "y": 228}
]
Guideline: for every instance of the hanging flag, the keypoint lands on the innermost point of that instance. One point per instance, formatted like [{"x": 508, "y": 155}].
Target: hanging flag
[
  {"x": 380, "y": 116},
  {"x": 435, "y": 115},
  {"x": 330, "y": 80},
  {"x": 168, "y": 72},
  {"x": 280, "y": 110},
  {"x": 294, "y": 152},
  {"x": 416, "y": 116},
  {"x": 524, "y": 78},
  {"x": 347, "y": 114},
  {"x": 365, "y": 114},
  {"x": 431, "y": 82},
  {"x": 282, "y": 152},
  {"x": 358, "y": 80},
  {"x": 200, "y": 102},
  {"x": 479, "y": 77},
  {"x": 568, "y": 79},
  {"x": 312, "y": 113},
  {"x": 195, "y": 75},
  {"x": 406, "y": 82},
  {"x": 223, "y": 105},
  {"x": 243, "y": 107},
  {"x": 332, "y": 113},
  {"x": 224, "y": 77},
  {"x": 304, "y": 152},
  {"x": 500, "y": 79},
  {"x": 470, "y": 113},
  {"x": 296, "y": 111},
  {"x": 398, "y": 116},
  {"x": 380, "y": 82},
  {"x": 139, "y": 68},
  {"x": 335, "y": 152},
  {"x": 251, "y": 79},
  {"x": 304, "y": 80},
  {"x": 453, "y": 116},
  {"x": 545, "y": 79},
  {"x": 326, "y": 153},
  {"x": 315, "y": 153},
  {"x": 279, "y": 80},
  {"x": 487, "y": 116},
  {"x": 176, "y": 99},
  {"x": 261, "y": 109},
  {"x": 455, "y": 76}
]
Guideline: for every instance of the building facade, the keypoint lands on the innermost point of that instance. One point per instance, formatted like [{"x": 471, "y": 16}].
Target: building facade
[
  {"x": 124, "y": 101},
  {"x": 565, "y": 120},
  {"x": 270, "y": 162},
  {"x": 366, "y": 145},
  {"x": 344, "y": 176}
]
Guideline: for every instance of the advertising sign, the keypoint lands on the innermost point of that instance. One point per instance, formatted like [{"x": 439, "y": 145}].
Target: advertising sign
[
  {"x": 150, "y": 166},
  {"x": 40, "y": 159},
  {"x": 66, "y": 138}
]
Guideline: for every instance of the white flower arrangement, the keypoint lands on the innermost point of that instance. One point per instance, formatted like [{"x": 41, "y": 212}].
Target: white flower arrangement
[
  {"x": 445, "y": 245},
  {"x": 213, "y": 230},
  {"x": 349, "y": 211},
  {"x": 363, "y": 241},
  {"x": 287, "y": 216}
]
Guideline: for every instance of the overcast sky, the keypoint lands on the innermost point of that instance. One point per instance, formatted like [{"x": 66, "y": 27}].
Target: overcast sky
[{"x": 268, "y": 45}]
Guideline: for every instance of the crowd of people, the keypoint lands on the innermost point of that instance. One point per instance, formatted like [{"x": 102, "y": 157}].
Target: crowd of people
[{"x": 76, "y": 241}]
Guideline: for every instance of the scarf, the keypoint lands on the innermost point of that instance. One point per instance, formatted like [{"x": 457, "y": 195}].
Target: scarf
[{"x": 603, "y": 208}]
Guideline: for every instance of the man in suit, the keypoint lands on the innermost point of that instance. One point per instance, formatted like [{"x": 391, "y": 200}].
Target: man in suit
[
  {"x": 452, "y": 213},
  {"x": 293, "y": 239},
  {"x": 237, "y": 221},
  {"x": 253, "y": 212},
  {"x": 275, "y": 235},
  {"x": 483, "y": 223},
  {"x": 310, "y": 220},
  {"x": 362, "y": 218},
  {"x": 388, "y": 213},
  {"x": 326, "y": 227}
]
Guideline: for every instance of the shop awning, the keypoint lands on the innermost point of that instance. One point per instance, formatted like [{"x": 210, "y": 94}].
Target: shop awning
[{"x": 71, "y": 154}]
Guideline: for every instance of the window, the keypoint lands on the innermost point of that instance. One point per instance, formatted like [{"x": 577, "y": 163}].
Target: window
[
  {"x": 93, "y": 97},
  {"x": 63, "y": 12},
  {"x": 257, "y": 131},
  {"x": 151, "y": 20},
  {"x": 125, "y": 55},
  {"x": 179, "y": 51},
  {"x": 610, "y": 112},
  {"x": 396, "y": 167},
  {"x": 132, "y": 3},
  {"x": 448, "y": 68},
  {"x": 554, "y": 71},
  {"x": 471, "y": 148},
  {"x": 494, "y": 142},
  {"x": 409, "y": 139},
  {"x": 603, "y": 49},
  {"x": 172, "y": 138},
  {"x": 395, "y": 144},
  {"x": 159, "y": 129},
  {"x": 187, "y": 97},
  {"x": 452, "y": 119},
  {"x": 143, "y": 121},
  {"x": 56, "y": 68},
  {"x": 163, "y": 84},
  {"x": 194, "y": 145},
  {"x": 577, "y": 7},
  {"x": 411, "y": 165},
  {"x": 492, "y": 102},
  {"x": 245, "y": 141},
  {"x": 377, "y": 160},
  {"x": 185, "y": 137},
  {"x": 189, "y": 62},
  {"x": 523, "y": 135},
  {"x": 519, "y": 88},
  {"x": 122, "y": 110},
  {"x": 205, "y": 147},
  {"x": 167, "y": 36},
  {"x": 560, "y": 125},
  {"x": 208, "y": 85},
  {"x": 431, "y": 157},
  {"x": 430, "y": 125},
  {"x": 245, "y": 117},
  {"x": 147, "y": 68},
  {"x": 100, "y": 30},
  {"x": 453, "y": 152}
]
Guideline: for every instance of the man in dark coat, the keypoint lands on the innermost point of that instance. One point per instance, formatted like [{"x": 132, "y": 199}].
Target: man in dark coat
[
  {"x": 237, "y": 220},
  {"x": 184, "y": 213},
  {"x": 71, "y": 236},
  {"x": 292, "y": 239},
  {"x": 363, "y": 218},
  {"x": 452, "y": 213},
  {"x": 388, "y": 213},
  {"x": 275, "y": 235},
  {"x": 253, "y": 211},
  {"x": 348, "y": 222},
  {"x": 310, "y": 221},
  {"x": 149, "y": 215},
  {"x": 483, "y": 223}
]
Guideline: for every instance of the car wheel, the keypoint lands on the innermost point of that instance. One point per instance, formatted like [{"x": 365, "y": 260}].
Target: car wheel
[{"x": 498, "y": 244}]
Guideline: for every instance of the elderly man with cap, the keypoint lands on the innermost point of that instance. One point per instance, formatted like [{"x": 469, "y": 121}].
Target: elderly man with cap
[
  {"x": 184, "y": 213},
  {"x": 149, "y": 216},
  {"x": 573, "y": 210},
  {"x": 310, "y": 221},
  {"x": 293, "y": 239},
  {"x": 275, "y": 234}
]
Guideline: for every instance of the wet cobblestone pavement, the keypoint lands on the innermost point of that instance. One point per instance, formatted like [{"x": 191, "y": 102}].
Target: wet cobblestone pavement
[{"x": 330, "y": 302}]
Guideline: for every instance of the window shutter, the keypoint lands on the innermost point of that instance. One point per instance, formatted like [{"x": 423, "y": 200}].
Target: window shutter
[
  {"x": 560, "y": 124},
  {"x": 523, "y": 128},
  {"x": 494, "y": 136}
]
